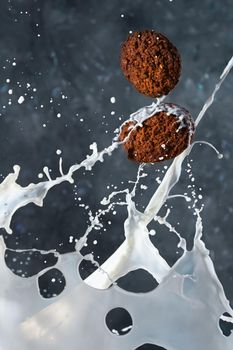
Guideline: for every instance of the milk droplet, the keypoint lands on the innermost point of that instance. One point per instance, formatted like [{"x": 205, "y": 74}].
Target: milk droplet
[
  {"x": 152, "y": 232},
  {"x": 113, "y": 99},
  {"x": 21, "y": 100},
  {"x": 58, "y": 151}
]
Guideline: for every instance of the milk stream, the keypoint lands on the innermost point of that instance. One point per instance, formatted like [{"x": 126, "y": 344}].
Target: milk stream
[{"x": 182, "y": 313}]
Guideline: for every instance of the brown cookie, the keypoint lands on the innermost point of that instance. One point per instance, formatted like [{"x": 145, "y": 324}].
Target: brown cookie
[
  {"x": 162, "y": 136},
  {"x": 150, "y": 62}
]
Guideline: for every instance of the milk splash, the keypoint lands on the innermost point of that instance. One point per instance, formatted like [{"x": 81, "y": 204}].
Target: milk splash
[{"x": 182, "y": 313}]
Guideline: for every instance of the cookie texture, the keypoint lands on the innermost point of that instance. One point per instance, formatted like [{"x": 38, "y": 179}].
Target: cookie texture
[
  {"x": 162, "y": 136},
  {"x": 150, "y": 62}
]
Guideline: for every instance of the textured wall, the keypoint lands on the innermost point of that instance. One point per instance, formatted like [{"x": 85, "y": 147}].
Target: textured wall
[{"x": 63, "y": 57}]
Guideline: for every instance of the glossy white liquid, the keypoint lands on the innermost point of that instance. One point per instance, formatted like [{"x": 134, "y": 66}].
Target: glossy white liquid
[{"x": 181, "y": 313}]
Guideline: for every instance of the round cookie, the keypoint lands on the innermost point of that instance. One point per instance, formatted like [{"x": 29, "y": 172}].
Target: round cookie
[
  {"x": 150, "y": 62},
  {"x": 162, "y": 136}
]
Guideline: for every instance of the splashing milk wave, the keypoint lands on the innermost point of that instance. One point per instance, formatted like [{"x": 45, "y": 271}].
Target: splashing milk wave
[{"x": 182, "y": 313}]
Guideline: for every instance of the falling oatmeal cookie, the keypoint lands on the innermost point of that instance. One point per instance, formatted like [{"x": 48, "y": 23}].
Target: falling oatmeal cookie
[
  {"x": 150, "y": 62},
  {"x": 162, "y": 136}
]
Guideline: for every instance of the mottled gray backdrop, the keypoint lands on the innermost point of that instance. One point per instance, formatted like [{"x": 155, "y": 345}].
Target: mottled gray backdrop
[{"x": 63, "y": 57}]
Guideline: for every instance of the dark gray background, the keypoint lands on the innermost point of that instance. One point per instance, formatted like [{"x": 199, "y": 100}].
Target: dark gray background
[{"x": 77, "y": 54}]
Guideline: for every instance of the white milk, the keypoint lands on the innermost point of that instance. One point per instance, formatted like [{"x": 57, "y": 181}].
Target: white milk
[{"x": 182, "y": 313}]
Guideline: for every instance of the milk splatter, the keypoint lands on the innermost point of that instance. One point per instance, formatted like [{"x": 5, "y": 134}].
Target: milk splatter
[{"x": 183, "y": 312}]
